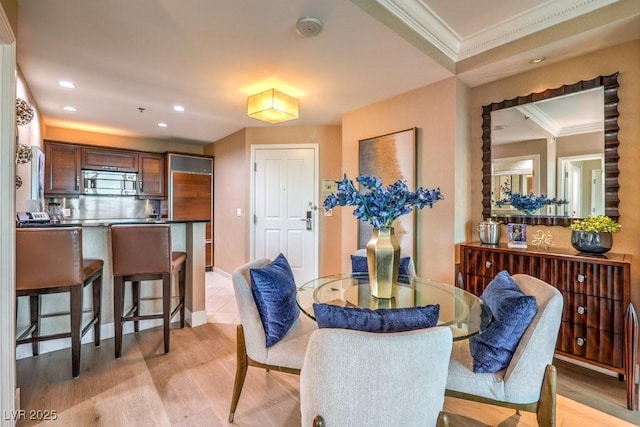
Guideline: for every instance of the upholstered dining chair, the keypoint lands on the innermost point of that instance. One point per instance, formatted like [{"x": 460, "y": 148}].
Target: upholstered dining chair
[
  {"x": 528, "y": 383},
  {"x": 354, "y": 378},
  {"x": 286, "y": 355}
]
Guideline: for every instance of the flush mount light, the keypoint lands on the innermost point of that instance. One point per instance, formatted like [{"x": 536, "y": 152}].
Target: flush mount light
[
  {"x": 272, "y": 106},
  {"x": 67, "y": 84},
  {"x": 537, "y": 60},
  {"x": 178, "y": 108},
  {"x": 69, "y": 108},
  {"x": 162, "y": 125}
]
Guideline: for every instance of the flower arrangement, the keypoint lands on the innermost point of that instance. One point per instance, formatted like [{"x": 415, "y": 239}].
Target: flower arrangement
[
  {"x": 380, "y": 205},
  {"x": 596, "y": 224},
  {"x": 527, "y": 203}
]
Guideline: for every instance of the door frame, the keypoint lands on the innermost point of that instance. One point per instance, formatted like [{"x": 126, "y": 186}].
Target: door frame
[
  {"x": 8, "y": 81},
  {"x": 316, "y": 186}
]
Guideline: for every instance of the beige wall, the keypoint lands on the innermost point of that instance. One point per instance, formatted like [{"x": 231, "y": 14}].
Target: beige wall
[
  {"x": 118, "y": 141},
  {"x": 232, "y": 183},
  {"x": 440, "y": 112},
  {"x": 624, "y": 59}
]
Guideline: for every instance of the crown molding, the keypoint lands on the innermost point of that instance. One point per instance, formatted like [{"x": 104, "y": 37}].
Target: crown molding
[{"x": 417, "y": 15}]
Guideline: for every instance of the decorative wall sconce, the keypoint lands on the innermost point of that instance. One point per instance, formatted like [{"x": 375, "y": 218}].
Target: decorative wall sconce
[
  {"x": 272, "y": 106},
  {"x": 24, "y": 112}
]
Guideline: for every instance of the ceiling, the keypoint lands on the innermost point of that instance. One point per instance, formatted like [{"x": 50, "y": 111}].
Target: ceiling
[{"x": 132, "y": 61}]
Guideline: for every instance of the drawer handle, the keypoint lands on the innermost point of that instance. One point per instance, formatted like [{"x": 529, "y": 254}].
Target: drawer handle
[
  {"x": 582, "y": 278},
  {"x": 487, "y": 264},
  {"x": 582, "y": 309},
  {"x": 581, "y": 341}
]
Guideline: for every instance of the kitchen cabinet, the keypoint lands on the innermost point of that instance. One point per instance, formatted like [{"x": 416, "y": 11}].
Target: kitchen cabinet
[
  {"x": 62, "y": 169},
  {"x": 599, "y": 324},
  {"x": 151, "y": 175},
  {"x": 190, "y": 193},
  {"x": 109, "y": 159}
]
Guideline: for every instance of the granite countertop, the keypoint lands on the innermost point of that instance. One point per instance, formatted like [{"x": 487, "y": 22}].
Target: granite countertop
[{"x": 105, "y": 222}]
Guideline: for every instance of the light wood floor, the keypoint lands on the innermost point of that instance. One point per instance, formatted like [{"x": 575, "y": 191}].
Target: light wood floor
[{"x": 191, "y": 386}]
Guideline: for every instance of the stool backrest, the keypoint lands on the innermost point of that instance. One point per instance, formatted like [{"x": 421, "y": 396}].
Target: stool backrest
[
  {"x": 48, "y": 257},
  {"x": 141, "y": 249}
]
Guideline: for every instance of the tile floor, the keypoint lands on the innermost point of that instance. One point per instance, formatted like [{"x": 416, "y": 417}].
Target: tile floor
[{"x": 221, "y": 302}]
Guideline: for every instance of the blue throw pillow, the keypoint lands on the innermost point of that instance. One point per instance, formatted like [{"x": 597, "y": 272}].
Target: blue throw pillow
[
  {"x": 512, "y": 312},
  {"x": 381, "y": 320},
  {"x": 359, "y": 265},
  {"x": 274, "y": 289}
]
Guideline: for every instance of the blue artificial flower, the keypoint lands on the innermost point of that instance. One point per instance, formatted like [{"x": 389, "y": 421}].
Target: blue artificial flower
[
  {"x": 527, "y": 203},
  {"x": 380, "y": 205}
]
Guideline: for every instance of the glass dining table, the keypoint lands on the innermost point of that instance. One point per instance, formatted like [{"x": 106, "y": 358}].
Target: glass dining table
[{"x": 461, "y": 311}]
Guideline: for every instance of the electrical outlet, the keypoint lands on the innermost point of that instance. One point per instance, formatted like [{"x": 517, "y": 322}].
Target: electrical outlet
[{"x": 239, "y": 212}]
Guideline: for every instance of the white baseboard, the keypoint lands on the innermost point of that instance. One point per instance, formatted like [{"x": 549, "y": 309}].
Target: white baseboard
[
  {"x": 586, "y": 365},
  {"x": 196, "y": 318},
  {"x": 222, "y": 272}
]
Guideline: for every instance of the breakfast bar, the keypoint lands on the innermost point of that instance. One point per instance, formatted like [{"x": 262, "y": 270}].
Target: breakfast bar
[{"x": 186, "y": 236}]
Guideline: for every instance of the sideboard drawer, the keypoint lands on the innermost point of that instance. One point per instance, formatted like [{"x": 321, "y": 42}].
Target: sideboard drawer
[
  {"x": 593, "y": 345},
  {"x": 598, "y": 313}
]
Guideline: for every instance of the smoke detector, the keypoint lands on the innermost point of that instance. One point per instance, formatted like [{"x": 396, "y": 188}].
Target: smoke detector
[{"x": 309, "y": 26}]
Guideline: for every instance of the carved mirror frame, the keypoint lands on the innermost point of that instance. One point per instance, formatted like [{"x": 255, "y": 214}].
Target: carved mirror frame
[{"x": 611, "y": 143}]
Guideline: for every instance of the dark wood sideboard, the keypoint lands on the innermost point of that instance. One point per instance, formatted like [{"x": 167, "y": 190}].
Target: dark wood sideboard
[{"x": 599, "y": 323}]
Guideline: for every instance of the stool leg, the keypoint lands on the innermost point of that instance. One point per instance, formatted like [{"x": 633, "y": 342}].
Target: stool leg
[
  {"x": 118, "y": 284},
  {"x": 96, "y": 287},
  {"x": 135, "y": 297},
  {"x": 34, "y": 308},
  {"x": 166, "y": 308},
  {"x": 181, "y": 292},
  {"x": 76, "y": 328}
]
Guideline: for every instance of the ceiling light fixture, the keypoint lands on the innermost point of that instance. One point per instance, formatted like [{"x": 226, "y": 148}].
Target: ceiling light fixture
[
  {"x": 178, "y": 108},
  {"x": 67, "y": 84},
  {"x": 272, "y": 106},
  {"x": 162, "y": 125},
  {"x": 537, "y": 60},
  {"x": 69, "y": 108},
  {"x": 308, "y": 26}
]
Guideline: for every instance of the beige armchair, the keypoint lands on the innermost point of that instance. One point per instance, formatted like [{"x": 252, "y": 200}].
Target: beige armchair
[
  {"x": 529, "y": 382},
  {"x": 286, "y": 356},
  {"x": 354, "y": 378}
]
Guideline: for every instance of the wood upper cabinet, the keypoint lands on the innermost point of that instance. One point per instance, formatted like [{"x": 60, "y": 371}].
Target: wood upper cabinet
[
  {"x": 152, "y": 175},
  {"x": 62, "y": 169},
  {"x": 108, "y": 159}
]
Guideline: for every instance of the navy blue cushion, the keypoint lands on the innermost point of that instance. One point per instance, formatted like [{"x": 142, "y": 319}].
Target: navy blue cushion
[
  {"x": 274, "y": 290},
  {"x": 359, "y": 265},
  {"x": 512, "y": 312},
  {"x": 381, "y": 320}
]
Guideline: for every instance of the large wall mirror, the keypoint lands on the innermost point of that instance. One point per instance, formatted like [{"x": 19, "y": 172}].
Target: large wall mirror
[{"x": 562, "y": 143}]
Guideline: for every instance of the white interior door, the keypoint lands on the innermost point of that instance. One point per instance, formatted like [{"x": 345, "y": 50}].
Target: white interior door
[
  {"x": 597, "y": 192},
  {"x": 285, "y": 208}
]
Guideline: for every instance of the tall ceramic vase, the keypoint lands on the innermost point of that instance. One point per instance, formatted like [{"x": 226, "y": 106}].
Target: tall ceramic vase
[{"x": 383, "y": 262}]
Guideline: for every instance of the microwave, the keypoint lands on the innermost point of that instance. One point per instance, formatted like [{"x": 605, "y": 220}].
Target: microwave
[{"x": 109, "y": 183}]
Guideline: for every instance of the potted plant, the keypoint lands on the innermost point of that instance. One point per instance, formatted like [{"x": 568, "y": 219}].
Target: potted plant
[{"x": 594, "y": 234}]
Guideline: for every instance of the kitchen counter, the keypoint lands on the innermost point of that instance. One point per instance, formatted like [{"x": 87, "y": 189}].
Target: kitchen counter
[
  {"x": 186, "y": 236},
  {"x": 105, "y": 222}
]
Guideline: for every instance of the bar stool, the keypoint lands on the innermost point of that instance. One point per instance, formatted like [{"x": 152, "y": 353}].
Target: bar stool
[
  {"x": 49, "y": 260},
  {"x": 143, "y": 252}
]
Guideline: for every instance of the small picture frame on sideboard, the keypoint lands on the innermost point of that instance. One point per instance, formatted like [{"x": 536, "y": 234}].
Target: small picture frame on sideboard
[{"x": 516, "y": 235}]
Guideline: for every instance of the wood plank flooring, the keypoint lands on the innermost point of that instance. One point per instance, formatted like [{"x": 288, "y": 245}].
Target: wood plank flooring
[{"x": 191, "y": 386}]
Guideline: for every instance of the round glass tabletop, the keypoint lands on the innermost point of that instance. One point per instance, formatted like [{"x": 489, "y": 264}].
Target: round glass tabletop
[{"x": 462, "y": 311}]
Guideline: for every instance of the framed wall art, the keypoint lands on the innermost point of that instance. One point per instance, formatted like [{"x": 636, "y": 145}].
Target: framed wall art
[{"x": 391, "y": 157}]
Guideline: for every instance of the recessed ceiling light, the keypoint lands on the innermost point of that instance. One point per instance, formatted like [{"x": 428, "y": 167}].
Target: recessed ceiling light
[
  {"x": 162, "y": 125},
  {"x": 178, "y": 108},
  {"x": 67, "y": 84},
  {"x": 537, "y": 60},
  {"x": 69, "y": 108}
]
